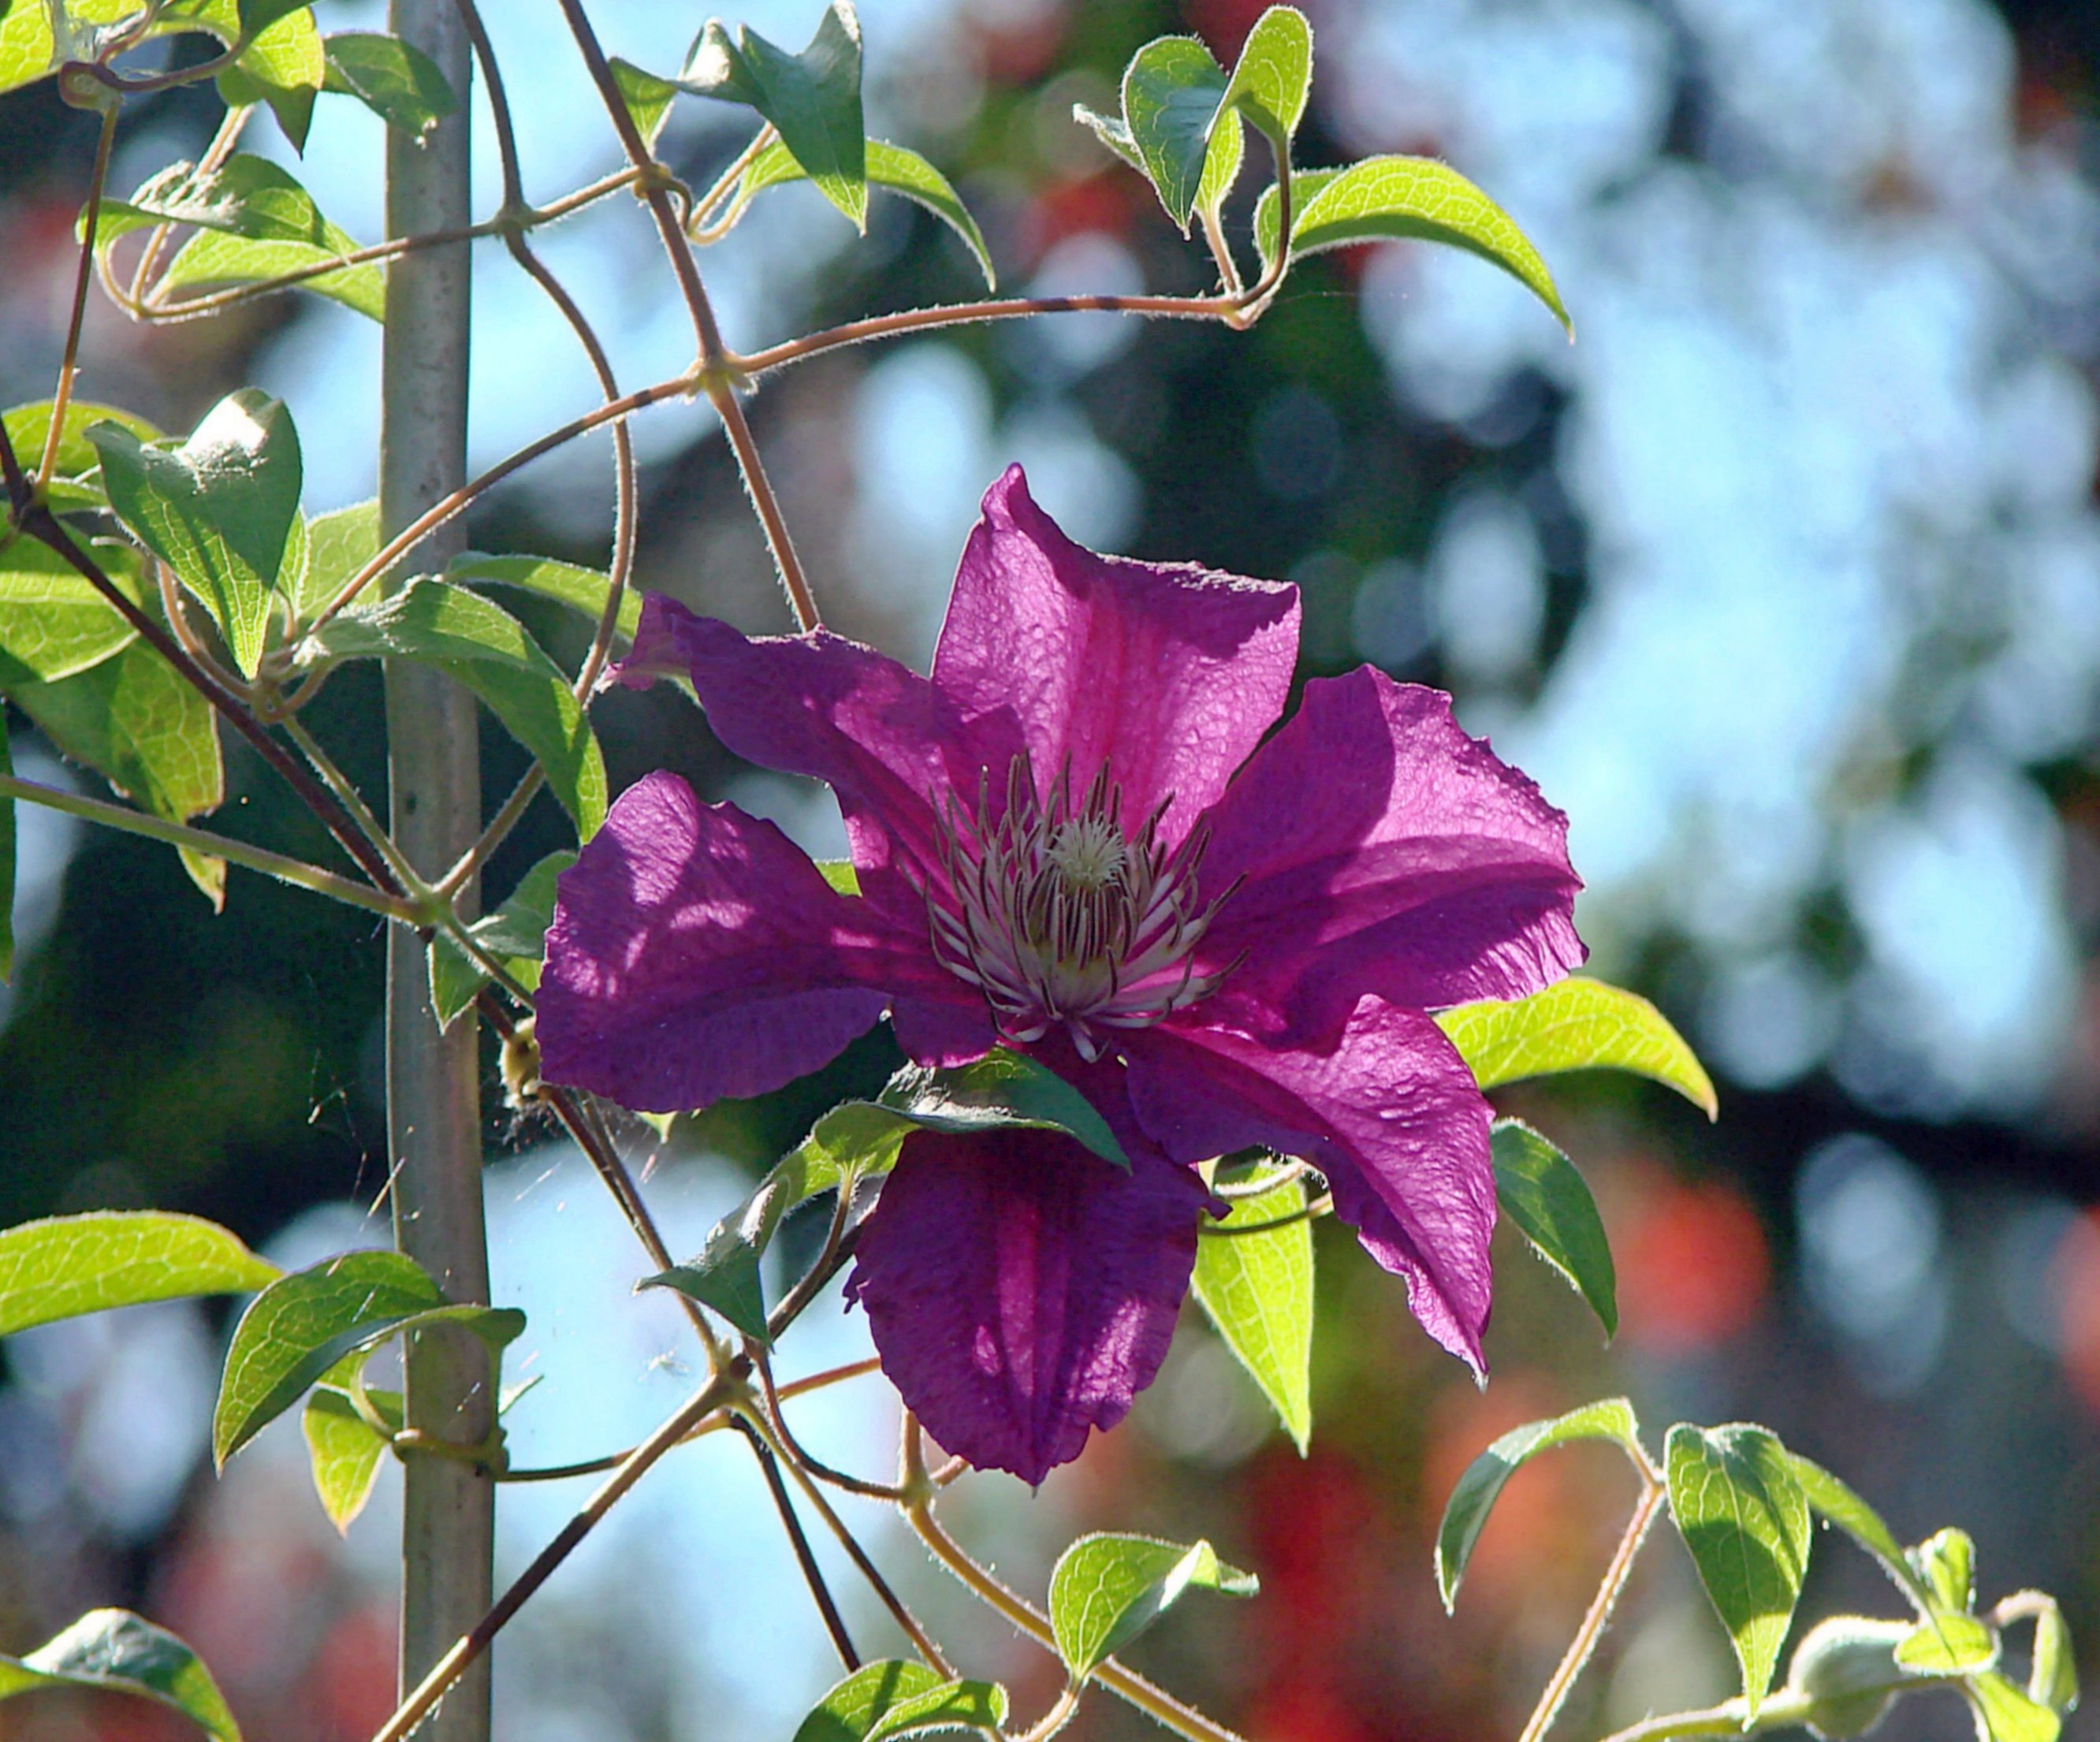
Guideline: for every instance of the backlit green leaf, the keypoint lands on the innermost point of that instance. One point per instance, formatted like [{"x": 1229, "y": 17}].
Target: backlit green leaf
[
  {"x": 1257, "y": 1289},
  {"x": 1549, "y": 1202},
  {"x": 2008, "y": 1715},
  {"x": 1945, "y": 1560},
  {"x": 1948, "y": 1645},
  {"x": 895, "y": 1698},
  {"x": 117, "y": 1651},
  {"x": 1465, "y": 1512},
  {"x": 515, "y": 934},
  {"x": 344, "y": 1450},
  {"x": 1111, "y": 132},
  {"x": 813, "y": 98},
  {"x": 1273, "y": 75},
  {"x": 1419, "y": 199},
  {"x": 888, "y": 166},
  {"x": 6, "y": 862},
  {"x": 1171, "y": 93},
  {"x": 1744, "y": 1515},
  {"x": 841, "y": 875},
  {"x": 1837, "y": 1504},
  {"x": 299, "y": 1328},
  {"x": 284, "y": 66},
  {"x": 1268, "y": 209},
  {"x": 1578, "y": 1024},
  {"x": 395, "y": 80},
  {"x": 2053, "y": 1680},
  {"x": 25, "y": 43},
  {"x": 28, "y": 426},
  {"x": 583, "y": 590},
  {"x": 54, "y": 623},
  {"x": 219, "y": 510},
  {"x": 482, "y": 645},
  {"x": 338, "y": 544},
  {"x": 648, "y": 97},
  {"x": 1106, "y": 1590},
  {"x": 65, "y": 1266}
]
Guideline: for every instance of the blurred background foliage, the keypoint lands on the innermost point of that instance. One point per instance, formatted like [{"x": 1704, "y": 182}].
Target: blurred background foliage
[{"x": 1784, "y": 581}]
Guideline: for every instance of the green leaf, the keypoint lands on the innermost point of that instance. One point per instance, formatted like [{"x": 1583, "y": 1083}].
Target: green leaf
[
  {"x": 1549, "y": 1201},
  {"x": 256, "y": 223},
  {"x": 584, "y": 590},
  {"x": 28, "y": 426},
  {"x": 515, "y": 934},
  {"x": 1172, "y": 90},
  {"x": 118, "y": 1652},
  {"x": 895, "y": 1698},
  {"x": 1465, "y": 1512},
  {"x": 1257, "y": 1289},
  {"x": 2053, "y": 1680},
  {"x": 54, "y": 624},
  {"x": 1847, "y": 1665},
  {"x": 888, "y": 166},
  {"x": 219, "y": 510},
  {"x": 482, "y": 645},
  {"x": 1107, "y": 1589},
  {"x": 1273, "y": 75},
  {"x": 299, "y": 1328},
  {"x": 2007, "y": 1714},
  {"x": 25, "y": 44},
  {"x": 1948, "y": 1645},
  {"x": 1946, "y": 1561},
  {"x": 1744, "y": 1515},
  {"x": 1419, "y": 199},
  {"x": 648, "y": 97},
  {"x": 813, "y": 98},
  {"x": 841, "y": 875},
  {"x": 344, "y": 1448},
  {"x": 1578, "y": 1024},
  {"x": 395, "y": 80},
  {"x": 135, "y": 721},
  {"x": 1837, "y": 1504},
  {"x": 1269, "y": 213},
  {"x": 1001, "y": 1089},
  {"x": 285, "y": 66},
  {"x": 7, "y": 864},
  {"x": 1110, "y": 131},
  {"x": 64, "y": 1266},
  {"x": 338, "y": 544}
]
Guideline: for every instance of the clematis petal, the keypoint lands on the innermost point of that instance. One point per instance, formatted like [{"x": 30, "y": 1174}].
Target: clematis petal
[
  {"x": 1022, "y": 1291},
  {"x": 1382, "y": 850},
  {"x": 887, "y": 743},
  {"x": 1165, "y": 674},
  {"x": 696, "y": 953},
  {"x": 1389, "y": 1114}
]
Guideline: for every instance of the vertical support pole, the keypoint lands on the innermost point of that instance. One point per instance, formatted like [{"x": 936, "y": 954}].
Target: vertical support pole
[{"x": 433, "y": 1079}]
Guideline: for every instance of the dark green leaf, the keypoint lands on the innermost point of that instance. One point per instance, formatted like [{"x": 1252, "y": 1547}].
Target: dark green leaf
[
  {"x": 1835, "y": 1503},
  {"x": 648, "y": 97},
  {"x": 895, "y": 1698},
  {"x": 1549, "y": 1201},
  {"x": 1257, "y": 1289},
  {"x": 219, "y": 510},
  {"x": 54, "y": 624},
  {"x": 581, "y": 589},
  {"x": 1744, "y": 1515},
  {"x": 338, "y": 544},
  {"x": 515, "y": 934},
  {"x": 6, "y": 867},
  {"x": 115, "y": 1650},
  {"x": 1106, "y": 1590},
  {"x": 395, "y": 80},
  {"x": 1419, "y": 199},
  {"x": 813, "y": 98},
  {"x": 28, "y": 426},
  {"x": 65, "y": 1266},
  {"x": 285, "y": 66},
  {"x": 1171, "y": 93},
  {"x": 436, "y": 624},
  {"x": 299, "y": 1328},
  {"x": 888, "y": 166},
  {"x": 1465, "y": 1512},
  {"x": 1948, "y": 1645},
  {"x": 2009, "y": 1715},
  {"x": 344, "y": 1449},
  {"x": 1001, "y": 1089},
  {"x": 1578, "y": 1023}
]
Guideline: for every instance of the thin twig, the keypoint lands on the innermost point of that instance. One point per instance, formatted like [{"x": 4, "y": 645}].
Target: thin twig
[
  {"x": 725, "y": 185},
  {"x": 1323, "y": 1205},
  {"x": 798, "y": 1453},
  {"x": 813, "y": 1575},
  {"x": 83, "y": 275},
  {"x": 448, "y": 1668},
  {"x": 1584, "y": 1644}
]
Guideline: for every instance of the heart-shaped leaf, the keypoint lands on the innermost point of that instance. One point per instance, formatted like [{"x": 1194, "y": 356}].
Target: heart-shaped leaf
[{"x": 394, "y": 79}]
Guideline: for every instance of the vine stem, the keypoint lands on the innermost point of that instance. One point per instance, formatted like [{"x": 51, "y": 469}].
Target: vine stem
[
  {"x": 813, "y": 1575},
  {"x": 1783, "y": 1709},
  {"x": 446, "y": 1672},
  {"x": 69, "y": 361},
  {"x": 295, "y": 871},
  {"x": 715, "y": 380},
  {"x": 1584, "y": 1644}
]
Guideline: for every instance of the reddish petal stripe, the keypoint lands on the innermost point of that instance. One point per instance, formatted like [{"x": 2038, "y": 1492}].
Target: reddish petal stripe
[
  {"x": 1382, "y": 851},
  {"x": 875, "y": 731},
  {"x": 696, "y": 953},
  {"x": 1389, "y": 1114},
  {"x": 1022, "y": 1291},
  {"x": 1167, "y": 674}
]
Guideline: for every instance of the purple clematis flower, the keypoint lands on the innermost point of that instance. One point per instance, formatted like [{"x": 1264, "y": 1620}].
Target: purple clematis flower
[{"x": 1072, "y": 839}]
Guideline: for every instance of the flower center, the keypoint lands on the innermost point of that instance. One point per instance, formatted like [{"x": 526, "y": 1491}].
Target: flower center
[{"x": 1060, "y": 917}]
